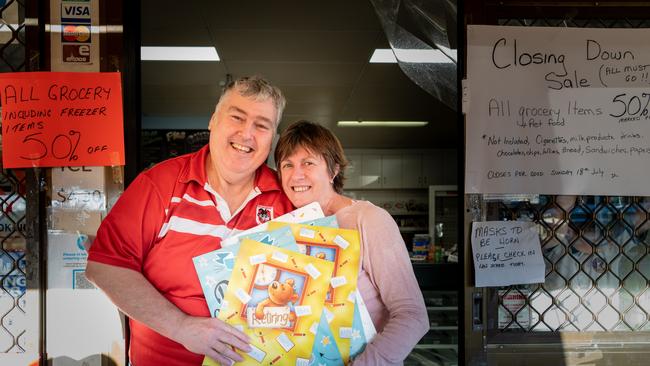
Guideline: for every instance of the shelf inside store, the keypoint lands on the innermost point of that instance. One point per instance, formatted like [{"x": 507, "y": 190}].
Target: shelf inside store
[
  {"x": 442, "y": 308},
  {"x": 413, "y": 229},
  {"x": 436, "y": 346},
  {"x": 439, "y": 284},
  {"x": 443, "y": 327},
  {"x": 436, "y": 276},
  {"x": 407, "y": 213},
  {"x": 443, "y": 356}
]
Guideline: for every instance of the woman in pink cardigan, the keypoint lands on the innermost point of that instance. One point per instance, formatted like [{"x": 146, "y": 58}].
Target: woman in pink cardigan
[{"x": 311, "y": 164}]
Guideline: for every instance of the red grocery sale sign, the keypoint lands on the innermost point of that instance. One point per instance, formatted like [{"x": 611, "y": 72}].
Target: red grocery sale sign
[{"x": 61, "y": 119}]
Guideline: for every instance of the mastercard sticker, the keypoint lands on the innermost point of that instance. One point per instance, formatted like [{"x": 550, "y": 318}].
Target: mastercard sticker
[{"x": 76, "y": 33}]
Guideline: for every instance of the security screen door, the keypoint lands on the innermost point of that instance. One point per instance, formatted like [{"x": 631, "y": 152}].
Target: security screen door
[
  {"x": 20, "y": 208},
  {"x": 594, "y": 306}
]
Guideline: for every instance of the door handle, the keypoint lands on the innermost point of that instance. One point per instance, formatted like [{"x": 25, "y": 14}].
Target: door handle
[{"x": 477, "y": 311}]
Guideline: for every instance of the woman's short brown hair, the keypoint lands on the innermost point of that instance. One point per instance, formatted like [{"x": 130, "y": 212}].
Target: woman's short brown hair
[{"x": 317, "y": 140}]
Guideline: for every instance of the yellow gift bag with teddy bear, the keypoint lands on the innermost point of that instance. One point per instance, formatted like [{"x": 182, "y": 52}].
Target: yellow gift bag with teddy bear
[{"x": 276, "y": 296}]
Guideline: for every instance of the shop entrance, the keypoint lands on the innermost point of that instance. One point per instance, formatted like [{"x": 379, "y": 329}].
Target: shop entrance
[
  {"x": 319, "y": 55},
  {"x": 21, "y": 211}
]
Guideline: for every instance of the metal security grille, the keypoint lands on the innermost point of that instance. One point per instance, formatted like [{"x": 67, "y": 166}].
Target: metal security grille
[
  {"x": 597, "y": 264},
  {"x": 12, "y": 261},
  {"x": 12, "y": 36},
  {"x": 13, "y": 280},
  {"x": 595, "y": 250}
]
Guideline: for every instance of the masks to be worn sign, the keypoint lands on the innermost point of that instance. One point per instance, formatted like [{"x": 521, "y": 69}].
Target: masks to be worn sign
[
  {"x": 506, "y": 253},
  {"x": 61, "y": 119},
  {"x": 558, "y": 110}
]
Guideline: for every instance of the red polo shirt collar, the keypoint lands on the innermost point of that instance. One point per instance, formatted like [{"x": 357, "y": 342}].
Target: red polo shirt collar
[{"x": 265, "y": 177}]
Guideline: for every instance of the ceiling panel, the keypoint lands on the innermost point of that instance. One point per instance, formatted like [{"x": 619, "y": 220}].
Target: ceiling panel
[
  {"x": 171, "y": 23},
  {"x": 292, "y": 46},
  {"x": 170, "y": 74},
  {"x": 300, "y": 73},
  {"x": 170, "y": 108},
  {"x": 381, "y": 103},
  {"x": 182, "y": 91},
  {"x": 388, "y": 75},
  {"x": 316, "y": 93},
  {"x": 293, "y": 15},
  {"x": 316, "y": 52}
]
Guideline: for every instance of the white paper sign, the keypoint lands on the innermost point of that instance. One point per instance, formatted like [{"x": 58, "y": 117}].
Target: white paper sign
[
  {"x": 558, "y": 110},
  {"x": 506, "y": 253},
  {"x": 67, "y": 260}
]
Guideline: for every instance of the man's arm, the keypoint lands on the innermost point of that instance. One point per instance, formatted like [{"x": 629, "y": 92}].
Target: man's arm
[{"x": 134, "y": 295}]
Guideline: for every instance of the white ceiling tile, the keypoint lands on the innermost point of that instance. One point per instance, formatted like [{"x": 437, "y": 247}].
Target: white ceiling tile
[{"x": 316, "y": 52}]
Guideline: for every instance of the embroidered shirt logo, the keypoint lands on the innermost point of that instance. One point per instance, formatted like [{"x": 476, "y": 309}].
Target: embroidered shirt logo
[{"x": 263, "y": 214}]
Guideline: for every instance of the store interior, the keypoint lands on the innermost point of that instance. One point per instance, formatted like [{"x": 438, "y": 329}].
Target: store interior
[{"x": 320, "y": 56}]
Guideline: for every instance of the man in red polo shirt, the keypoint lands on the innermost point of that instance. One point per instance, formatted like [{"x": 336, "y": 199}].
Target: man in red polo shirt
[{"x": 181, "y": 208}]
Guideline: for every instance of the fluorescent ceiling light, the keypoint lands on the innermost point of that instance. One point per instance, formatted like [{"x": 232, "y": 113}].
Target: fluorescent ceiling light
[
  {"x": 425, "y": 56},
  {"x": 382, "y": 123},
  {"x": 178, "y": 54},
  {"x": 383, "y": 56}
]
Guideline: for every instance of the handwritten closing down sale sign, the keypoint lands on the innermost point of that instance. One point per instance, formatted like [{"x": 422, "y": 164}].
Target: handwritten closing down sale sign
[{"x": 61, "y": 119}]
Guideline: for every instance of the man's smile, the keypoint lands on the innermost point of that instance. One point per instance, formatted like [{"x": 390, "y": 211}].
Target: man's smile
[{"x": 241, "y": 148}]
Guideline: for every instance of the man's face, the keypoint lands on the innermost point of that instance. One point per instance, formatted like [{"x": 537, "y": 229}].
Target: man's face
[{"x": 241, "y": 132}]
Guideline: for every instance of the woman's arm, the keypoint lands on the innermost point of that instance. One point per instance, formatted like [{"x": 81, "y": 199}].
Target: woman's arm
[{"x": 386, "y": 260}]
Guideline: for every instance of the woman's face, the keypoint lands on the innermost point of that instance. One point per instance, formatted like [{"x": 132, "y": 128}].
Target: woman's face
[{"x": 306, "y": 178}]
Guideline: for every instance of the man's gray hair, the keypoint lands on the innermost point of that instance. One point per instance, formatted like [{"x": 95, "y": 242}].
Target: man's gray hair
[{"x": 259, "y": 89}]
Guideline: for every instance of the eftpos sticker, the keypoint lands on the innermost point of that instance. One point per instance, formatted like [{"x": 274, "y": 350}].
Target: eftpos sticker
[{"x": 77, "y": 53}]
